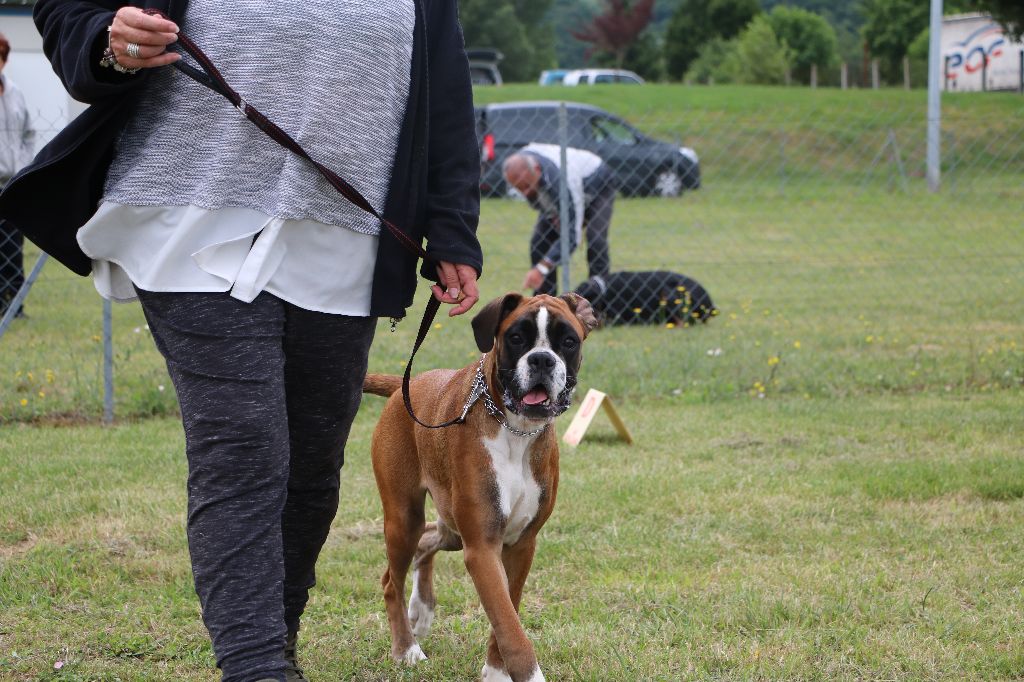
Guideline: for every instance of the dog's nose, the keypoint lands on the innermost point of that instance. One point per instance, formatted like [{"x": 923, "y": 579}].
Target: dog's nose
[{"x": 541, "y": 361}]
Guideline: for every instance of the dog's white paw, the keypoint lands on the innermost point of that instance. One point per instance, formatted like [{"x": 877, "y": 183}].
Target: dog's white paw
[
  {"x": 421, "y": 617},
  {"x": 412, "y": 655},
  {"x": 491, "y": 674}
]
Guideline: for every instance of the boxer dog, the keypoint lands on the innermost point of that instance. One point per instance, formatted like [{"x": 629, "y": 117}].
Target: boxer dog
[{"x": 492, "y": 478}]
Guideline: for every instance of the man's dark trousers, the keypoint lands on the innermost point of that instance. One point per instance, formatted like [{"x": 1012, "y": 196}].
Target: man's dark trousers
[{"x": 597, "y": 218}]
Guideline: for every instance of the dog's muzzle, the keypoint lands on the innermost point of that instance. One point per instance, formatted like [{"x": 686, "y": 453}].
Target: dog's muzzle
[{"x": 543, "y": 391}]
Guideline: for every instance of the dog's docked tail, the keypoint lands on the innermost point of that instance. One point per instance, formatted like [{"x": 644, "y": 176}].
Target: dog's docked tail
[{"x": 382, "y": 384}]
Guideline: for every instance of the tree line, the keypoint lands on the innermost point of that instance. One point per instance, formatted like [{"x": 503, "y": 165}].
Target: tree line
[{"x": 742, "y": 41}]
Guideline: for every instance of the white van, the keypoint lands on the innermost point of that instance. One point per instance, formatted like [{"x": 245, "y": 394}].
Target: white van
[{"x": 593, "y": 76}]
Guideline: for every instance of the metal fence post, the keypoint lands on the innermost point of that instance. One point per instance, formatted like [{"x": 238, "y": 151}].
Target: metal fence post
[
  {"x": 563, "y": 195},
  {"x": 19, "y": 298},
  {"x": 934, "y": 96},
  {"x": 108, "y": 363}
]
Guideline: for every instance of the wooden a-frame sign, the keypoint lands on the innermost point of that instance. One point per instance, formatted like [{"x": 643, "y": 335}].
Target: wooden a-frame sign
[{"x": 585, "y": 415}]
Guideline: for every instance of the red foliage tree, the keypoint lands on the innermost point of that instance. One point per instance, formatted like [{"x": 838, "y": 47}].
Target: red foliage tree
[{"x": 617, "y": 28}]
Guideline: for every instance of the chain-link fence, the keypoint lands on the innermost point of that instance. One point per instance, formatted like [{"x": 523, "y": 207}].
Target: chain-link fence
[
  {"x": 760, "y": 243},
  {"x": 831, "y": 267}
]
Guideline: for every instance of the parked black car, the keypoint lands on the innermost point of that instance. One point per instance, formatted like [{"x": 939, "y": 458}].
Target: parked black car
[{"x": 642, "y": 165}]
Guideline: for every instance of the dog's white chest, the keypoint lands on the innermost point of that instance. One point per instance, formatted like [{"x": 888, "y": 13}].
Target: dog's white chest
[{"x": 518, "y": 492}]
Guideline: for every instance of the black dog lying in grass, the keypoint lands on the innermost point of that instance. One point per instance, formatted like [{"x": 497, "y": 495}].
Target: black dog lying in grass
[{"x": 650, "y": 297}]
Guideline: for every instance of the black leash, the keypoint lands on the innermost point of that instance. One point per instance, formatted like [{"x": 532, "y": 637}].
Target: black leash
[{"x": 209, "y": 76}]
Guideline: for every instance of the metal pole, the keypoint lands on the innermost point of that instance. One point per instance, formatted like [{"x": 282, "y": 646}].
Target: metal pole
[
  {"x": 108, "y": 363},
  {"x": 934, "y": 96},
  {"x": 19, "y": 297},
  {"x": 1021, "y": 71},
  {"x": 563, "y": 195}
]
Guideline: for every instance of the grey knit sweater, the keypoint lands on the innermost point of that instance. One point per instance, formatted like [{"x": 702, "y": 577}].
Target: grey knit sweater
[{"x": 333, "y": 73}]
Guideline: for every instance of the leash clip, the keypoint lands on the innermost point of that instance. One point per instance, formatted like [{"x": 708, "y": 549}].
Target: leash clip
[{"x": 478, "y": 389}]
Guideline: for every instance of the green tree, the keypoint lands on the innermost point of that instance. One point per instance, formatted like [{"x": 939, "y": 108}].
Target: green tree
[
  {"x": 809, "y": 37},
  {"x": 757, "y": 56},
  {"x": 696, "y": 22},
  {"x": 708, "y": 64},
  {"x": 1009, "y": 13},
  {"x": 517, "y": 28},
  {"x": 645, "y": 57},
  {"x": 890, "y": 28}
]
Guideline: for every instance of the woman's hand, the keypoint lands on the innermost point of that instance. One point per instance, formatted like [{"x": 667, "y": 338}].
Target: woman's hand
[
  {"x": 151, "y": 33},
  {"x": 460, "y": 287}
]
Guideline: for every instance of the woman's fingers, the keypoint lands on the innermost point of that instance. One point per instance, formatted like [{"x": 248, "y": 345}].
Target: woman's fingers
[
  {"x": 135, "y": 19},
  {"x": 152, "y": 35}
]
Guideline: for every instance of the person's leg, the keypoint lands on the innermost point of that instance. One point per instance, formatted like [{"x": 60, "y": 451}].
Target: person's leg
[
  {"x": 325, "y": 363},
  {"x": 597, "y": 219},
  {"x": 545, "y": 234},
  {"x": 226, "y": 360}
]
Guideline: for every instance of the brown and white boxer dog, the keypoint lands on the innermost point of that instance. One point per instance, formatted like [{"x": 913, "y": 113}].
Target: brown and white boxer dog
[{"x": 492, "y": 479}]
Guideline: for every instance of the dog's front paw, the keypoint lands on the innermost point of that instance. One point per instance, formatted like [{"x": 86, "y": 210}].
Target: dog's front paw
[{"x": 410, "y": 656}]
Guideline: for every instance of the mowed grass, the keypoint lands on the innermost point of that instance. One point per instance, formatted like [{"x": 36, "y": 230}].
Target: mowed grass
[
  {"x": 838, "y": 296},
  {"x": 875, "y": 537}
]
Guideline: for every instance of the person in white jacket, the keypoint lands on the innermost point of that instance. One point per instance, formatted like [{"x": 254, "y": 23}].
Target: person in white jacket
[{"x": 534, "y": 171}]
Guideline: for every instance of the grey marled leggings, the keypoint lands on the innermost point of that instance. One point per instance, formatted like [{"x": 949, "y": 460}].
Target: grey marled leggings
[{"x": 268, "y": 392}]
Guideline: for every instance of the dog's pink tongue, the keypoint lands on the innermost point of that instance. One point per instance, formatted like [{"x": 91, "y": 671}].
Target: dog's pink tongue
[{"x": 535, "y": 397}]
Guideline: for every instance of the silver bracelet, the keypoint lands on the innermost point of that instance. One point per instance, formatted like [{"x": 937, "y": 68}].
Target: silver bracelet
[
  {"x": 543, "y": 269},
  {"x": 109, "y": 59}
]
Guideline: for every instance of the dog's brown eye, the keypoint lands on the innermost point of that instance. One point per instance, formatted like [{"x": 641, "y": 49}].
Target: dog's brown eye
[
  {"x": 569, "y": 342},
  {"x": 515, "y": 339}
]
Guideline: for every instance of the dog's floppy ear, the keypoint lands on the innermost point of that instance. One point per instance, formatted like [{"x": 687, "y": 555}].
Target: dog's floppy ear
[
  {"x": 485, "y": 324},
  {"x": 582, "y": 309}
]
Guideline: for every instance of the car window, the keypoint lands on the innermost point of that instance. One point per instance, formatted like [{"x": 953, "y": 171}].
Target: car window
[
  {"x": 522, "y": 125},
  {"x": 604, "y": 78},
  {"x": 611, "y": 130},
  {"x": 623, "y": 78}
]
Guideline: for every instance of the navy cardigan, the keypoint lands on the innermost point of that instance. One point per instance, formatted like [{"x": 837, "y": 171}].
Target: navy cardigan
[{"x": 434, "y": 192}]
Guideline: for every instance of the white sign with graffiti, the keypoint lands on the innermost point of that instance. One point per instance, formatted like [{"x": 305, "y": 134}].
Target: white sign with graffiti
[{"x": 977, "y": 55}]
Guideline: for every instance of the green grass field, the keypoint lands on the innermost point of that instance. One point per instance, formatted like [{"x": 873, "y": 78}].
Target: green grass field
[
  {"x": 827, "y": 481},
  {"x": 855, "y": 538}
]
